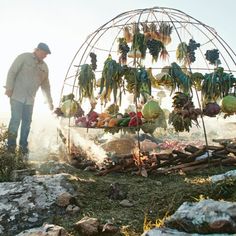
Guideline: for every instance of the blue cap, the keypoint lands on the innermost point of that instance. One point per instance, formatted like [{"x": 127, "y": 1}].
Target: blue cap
[{"x": 44, "y": 47}]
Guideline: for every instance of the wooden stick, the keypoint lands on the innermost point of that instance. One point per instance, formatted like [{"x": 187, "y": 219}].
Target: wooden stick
[
  {"x": 210, "y": 164},
  {"x": 191, "y": 149}
]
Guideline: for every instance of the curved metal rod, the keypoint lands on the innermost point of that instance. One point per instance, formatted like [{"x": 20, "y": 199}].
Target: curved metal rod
[
  {"x": 203, "y": 122},
  {"x": 175, "y": 17}
]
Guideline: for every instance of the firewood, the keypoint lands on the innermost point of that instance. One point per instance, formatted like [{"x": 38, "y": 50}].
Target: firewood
[
  {"x": 193, "y": 156},
  {"x": 232, "y": 150},
  {"x": 210, "y": 164},
  {"x": 223, "y": 142},
  {"x": 220, "y": 154},
  {"x": 177, "y": 167},
  {"x": 214, "y": 148},
  {"x": 191, "y": 149},
  {"x": 180, "y": 154},
  {"x": 127, "y": 163},
  {"x": 191, "y": 166},
  {"x": 162, "y": 156}
]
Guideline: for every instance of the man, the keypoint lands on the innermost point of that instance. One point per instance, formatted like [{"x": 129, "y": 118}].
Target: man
[{"x": 27, "y": 73}]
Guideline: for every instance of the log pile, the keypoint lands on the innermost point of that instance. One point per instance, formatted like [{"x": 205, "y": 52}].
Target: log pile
[{"x": 190, "y": 159}]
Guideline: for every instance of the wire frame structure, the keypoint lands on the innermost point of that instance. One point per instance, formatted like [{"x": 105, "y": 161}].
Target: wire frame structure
[{"x": 179, "y": 26}]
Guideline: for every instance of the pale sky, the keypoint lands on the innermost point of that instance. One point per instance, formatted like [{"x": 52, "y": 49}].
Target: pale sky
[{"x": 65, "y": 24}]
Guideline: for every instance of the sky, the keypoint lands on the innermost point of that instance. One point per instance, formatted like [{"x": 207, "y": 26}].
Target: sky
[{"x": 65, "y": 24}]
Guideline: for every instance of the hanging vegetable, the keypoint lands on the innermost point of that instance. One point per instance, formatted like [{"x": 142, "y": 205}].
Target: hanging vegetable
[
  {"x": 127, "y": 34},
  {"x": 150, "y": 126},
  {"x": 216, "y": 85},
  {"x": 185, "y": 53},
  {"x": 131, "y": 79},
  {"x": 197, "y": 79},
  {"x": 145, "y": 84},
  {"x": 182, "y": 53},
  {"x": 153, "y": 31},
  {"x": 212, "y": 56},
  {"x": 155, "y": 47},
  {"x": 191, "y": 48},
  {"x": 69, "y": 107},
  {"x": 93, "y": 57},
  {"x": 123, "y": 50},
  {"x": 146, "y": 30},
  {"x": 138, "y": 82},
  {"x": 184, "y": 113},
  {"x": 138, "y": 48},
  {"x": 151, "y": 110},
  {"x": 111, "y": 80},
  {"x": 165, "y": 31},
  {"x": 87, "y": 82},
  {"x": 211, "y": 109},
  {"x": 182, "y": 80},
  {"x": 152, "y": 78},
  {"x": 228, "y": 105}
]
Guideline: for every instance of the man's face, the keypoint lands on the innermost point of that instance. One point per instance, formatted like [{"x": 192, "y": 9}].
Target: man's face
[{"x": 41, "y": 54}]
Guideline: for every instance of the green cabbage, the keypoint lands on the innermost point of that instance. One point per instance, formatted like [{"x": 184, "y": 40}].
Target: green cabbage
[
  {"x": 151, "y": 110},
  {"x": 228, "y": 104},
  {"x": 69, "y": 108}
]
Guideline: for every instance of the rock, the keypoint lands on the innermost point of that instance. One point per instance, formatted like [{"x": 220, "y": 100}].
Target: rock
[
  {"x": 126, "y": 203},
  {"x": 45, "y": 230},
  {"x": 110, "y": 229},
  {"x": 19, "y": 175},
  {"x": 174, "y": 232},
  {"x": 87, "y": 226},
  {"x": 164, "y": 232},
  {"x": 64, "y": 199},
  {"x": 72, "y": 209},
  {"x": 115, "y": 192},
  {"x": 230, "y": 174},
  {"x": 206, "y": 216},
  {"x": 31, "y": 202}
]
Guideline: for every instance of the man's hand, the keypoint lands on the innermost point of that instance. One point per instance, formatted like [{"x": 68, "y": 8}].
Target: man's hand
[
  {"x": 51, "y": 107},
  {"x": 9, "y": 92}
]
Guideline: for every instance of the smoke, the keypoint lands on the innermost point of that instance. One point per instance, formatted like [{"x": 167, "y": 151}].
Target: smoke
[
  {"x": 44, "y": 140},
  {"x": 92, "y": 151}
]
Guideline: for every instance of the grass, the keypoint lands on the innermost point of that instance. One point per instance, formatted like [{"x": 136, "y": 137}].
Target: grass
[{"x": 154, "y": 198}]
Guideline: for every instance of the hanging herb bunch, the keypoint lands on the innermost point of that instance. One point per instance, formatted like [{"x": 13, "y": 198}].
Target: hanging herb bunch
[
  {"x": 111, "y": 80},
  {"x": 165, "y": 30},
  {"x": 87, "y": 82},
  {"x": 185, "y": 53},
  {"x": 139, "y": 47},
  {"x": 127, "y": 35}
]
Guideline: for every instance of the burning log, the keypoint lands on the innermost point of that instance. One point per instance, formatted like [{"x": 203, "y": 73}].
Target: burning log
[{"x": 126, "y": 163}]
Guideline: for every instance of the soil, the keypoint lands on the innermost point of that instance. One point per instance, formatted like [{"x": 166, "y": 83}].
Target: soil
[{"x": 154, "y": 197}]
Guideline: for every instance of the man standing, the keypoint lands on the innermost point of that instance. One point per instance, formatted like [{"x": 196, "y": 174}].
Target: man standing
[{"x": 27, "y": 73}]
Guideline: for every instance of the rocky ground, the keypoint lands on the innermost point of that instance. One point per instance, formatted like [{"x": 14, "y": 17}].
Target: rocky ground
[{"x": 130, "y": 203}]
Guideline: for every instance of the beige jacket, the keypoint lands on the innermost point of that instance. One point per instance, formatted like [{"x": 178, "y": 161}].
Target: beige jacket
[{"x": 25, "y": 76}]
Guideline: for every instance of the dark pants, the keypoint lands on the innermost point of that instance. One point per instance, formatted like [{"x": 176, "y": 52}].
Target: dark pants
[{"x": 20, "y": 114}]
